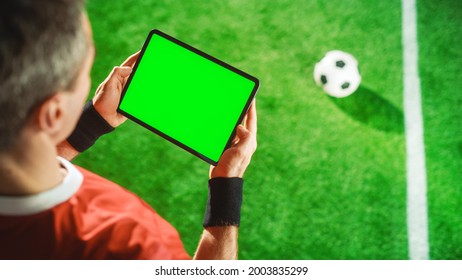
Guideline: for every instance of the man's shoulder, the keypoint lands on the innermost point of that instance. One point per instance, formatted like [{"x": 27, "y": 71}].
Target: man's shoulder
[
  {"x": 104, "y": 208},
  {"x": 99, "y": 189}
]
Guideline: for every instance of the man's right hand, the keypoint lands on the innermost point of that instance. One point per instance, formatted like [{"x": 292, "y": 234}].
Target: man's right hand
[{"x": 236, "y": 158}]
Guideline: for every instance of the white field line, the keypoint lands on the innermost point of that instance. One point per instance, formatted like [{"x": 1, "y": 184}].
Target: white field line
[{"x": 417, "y": 217}]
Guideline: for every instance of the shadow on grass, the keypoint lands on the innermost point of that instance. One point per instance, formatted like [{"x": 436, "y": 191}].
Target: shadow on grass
[{"x": 368, "y": 107}]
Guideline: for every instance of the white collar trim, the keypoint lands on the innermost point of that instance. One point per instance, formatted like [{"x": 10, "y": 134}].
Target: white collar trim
[{"x": 36, "y": 203}]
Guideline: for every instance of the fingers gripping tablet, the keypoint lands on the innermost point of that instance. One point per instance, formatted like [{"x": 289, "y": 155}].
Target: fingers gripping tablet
[{"x": 187, "y": 96}]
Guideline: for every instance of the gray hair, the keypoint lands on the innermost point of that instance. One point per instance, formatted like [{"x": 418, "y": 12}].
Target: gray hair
[{"x": 42, "y": 49}]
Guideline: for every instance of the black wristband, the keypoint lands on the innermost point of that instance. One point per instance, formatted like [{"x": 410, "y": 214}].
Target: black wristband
[
  {"x": 90, "y": 127},
  {"x": 224, "y": 202}
]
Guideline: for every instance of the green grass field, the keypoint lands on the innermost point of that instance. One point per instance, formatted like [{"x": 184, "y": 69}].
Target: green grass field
[{"x": 328, "y": 180}]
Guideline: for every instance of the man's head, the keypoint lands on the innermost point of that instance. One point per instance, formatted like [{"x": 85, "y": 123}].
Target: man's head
[{"x": 45, "y": 54}]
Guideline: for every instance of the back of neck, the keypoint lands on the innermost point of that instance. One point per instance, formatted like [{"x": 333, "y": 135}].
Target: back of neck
[{"x": 30, "y": 167}]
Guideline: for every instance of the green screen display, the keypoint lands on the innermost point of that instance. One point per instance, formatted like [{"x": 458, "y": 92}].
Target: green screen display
[{"x": 187, "y": 96}]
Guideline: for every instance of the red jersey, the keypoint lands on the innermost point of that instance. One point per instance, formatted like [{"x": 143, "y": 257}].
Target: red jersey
[{"x": 85, "y": 217}]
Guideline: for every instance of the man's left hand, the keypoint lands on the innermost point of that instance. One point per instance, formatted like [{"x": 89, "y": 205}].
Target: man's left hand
[{"x": 107, "y": 96}]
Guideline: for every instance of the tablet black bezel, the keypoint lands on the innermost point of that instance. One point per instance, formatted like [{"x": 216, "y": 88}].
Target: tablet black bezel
[{"x": 207, "y": 56}]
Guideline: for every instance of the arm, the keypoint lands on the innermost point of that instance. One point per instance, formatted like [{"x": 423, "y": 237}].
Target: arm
[
  {"x": 217, "y": 242},
  {"x": 105, "y": 102},
  {"x": 220, "y": 242}
]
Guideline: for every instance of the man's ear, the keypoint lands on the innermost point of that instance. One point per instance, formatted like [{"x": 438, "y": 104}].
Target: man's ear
[{"x": 50, "y": 115}]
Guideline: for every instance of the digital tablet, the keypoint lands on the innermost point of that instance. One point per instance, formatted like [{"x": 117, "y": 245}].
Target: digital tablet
[{"x": 186, "y": 96}]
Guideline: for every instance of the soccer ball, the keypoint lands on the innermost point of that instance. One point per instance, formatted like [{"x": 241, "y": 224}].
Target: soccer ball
[{"x": 337, "y": 73}]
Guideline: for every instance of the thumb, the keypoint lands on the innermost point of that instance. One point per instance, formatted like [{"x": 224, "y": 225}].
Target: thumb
[
  {"x": 247, "y": 140},
  {"x": 118, "y": 77},
  {"x": 242, "y": 133},
  {"x": 122, "y": 71}
]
